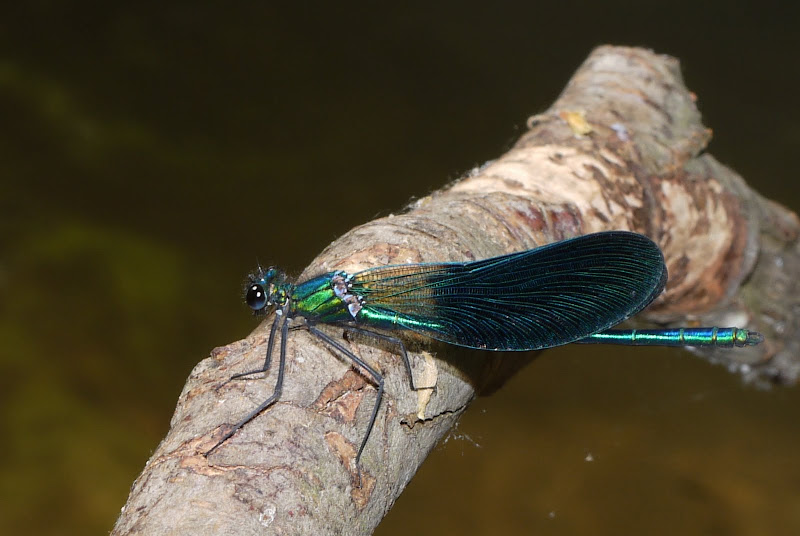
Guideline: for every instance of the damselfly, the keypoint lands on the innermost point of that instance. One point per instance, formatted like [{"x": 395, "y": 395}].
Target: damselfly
[{"x": 569, "y": 291}]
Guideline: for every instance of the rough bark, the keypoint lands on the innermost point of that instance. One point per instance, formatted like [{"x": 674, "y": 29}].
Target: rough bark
[{"x": 620, "y": 149}]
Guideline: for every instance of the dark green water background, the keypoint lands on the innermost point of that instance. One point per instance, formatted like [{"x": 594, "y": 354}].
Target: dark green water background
[{"x": 150, "y": 153}]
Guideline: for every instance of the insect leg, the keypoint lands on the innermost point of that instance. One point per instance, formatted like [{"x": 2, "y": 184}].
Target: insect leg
[
  {"x": 276, "y": 394},
  {"x": 372, "y": 372},
  {"x": 392, "y": 340},
  {"x": 268, "y": 360}
]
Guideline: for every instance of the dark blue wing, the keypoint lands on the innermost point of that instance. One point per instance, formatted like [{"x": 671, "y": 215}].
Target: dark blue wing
[{"x": 544, "y": 297}]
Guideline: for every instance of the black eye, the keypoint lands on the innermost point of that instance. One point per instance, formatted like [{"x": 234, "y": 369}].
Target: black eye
[{"x": 256, "y": 297}]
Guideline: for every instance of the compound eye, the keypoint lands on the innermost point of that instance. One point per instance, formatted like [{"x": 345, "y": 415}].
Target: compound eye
[{"x": 256, "y": 296}]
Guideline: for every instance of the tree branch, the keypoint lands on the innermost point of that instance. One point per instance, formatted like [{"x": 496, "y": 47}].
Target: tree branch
[{"x": 619, "y": 149}]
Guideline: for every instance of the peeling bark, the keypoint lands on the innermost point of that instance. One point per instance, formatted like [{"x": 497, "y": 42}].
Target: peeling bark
[{"x": 619, "y": 149}]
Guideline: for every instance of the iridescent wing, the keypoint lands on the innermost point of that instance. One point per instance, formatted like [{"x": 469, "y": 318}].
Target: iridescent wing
[{"x": 544, "y": 297}]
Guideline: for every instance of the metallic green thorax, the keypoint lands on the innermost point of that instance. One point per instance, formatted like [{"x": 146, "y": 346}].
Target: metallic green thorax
[
  {"x": 330, "y": 298},
  {"x": 316, "y": 300}
]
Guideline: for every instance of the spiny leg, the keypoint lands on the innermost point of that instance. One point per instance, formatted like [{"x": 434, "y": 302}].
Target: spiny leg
[
  {"x": 392, "y": 340},
  {"x": 276, "y": 394},
  {"x": 375, "y": 375}
]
